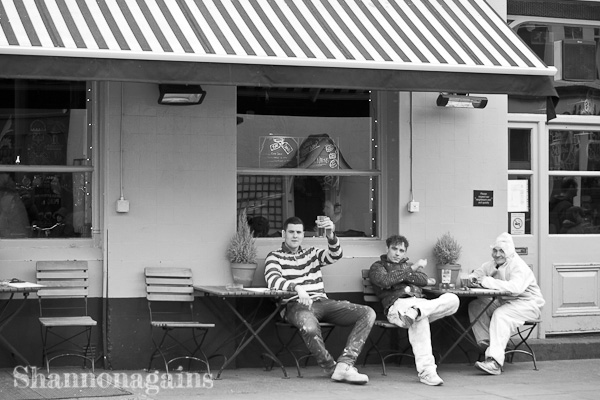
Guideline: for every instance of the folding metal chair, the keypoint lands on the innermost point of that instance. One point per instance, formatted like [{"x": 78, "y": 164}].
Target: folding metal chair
[
  {"x": 385, "y": 328},
  {"x": 64, "y": 315},
  {"x": 170, "y": 295},
  {"x": 292, "y": 343},
  {"x": 520, "y": 337}
]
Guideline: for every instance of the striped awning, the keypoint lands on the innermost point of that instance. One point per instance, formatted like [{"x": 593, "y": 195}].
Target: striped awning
[{"x": 428, "y": 37}]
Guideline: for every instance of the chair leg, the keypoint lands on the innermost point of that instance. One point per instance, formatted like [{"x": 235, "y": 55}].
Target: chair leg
[
  {"x": 523, "y": 342},
  {"x": 196, "y": 354}
]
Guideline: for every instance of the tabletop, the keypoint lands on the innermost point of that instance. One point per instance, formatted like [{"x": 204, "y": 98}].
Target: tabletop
[
  {"x": 19, "y": 287},
  {"x": 245, "y": 292},
  {"x": 467, "y": 292}
]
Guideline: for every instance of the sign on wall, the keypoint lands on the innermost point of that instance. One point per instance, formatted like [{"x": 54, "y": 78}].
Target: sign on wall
[{"x": 483, "y": 198}]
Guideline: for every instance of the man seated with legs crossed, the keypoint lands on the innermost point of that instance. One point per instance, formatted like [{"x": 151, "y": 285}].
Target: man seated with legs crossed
[
  {"x": 298, "y": 269},
  {"x": 506, "y": 271},
  {"x": 398, "y": 283}
]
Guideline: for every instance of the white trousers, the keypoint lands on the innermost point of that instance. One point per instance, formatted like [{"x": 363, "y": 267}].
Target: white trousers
[
  {"x": 419, "y": 334},
  {"x": 500, "y": 322}
]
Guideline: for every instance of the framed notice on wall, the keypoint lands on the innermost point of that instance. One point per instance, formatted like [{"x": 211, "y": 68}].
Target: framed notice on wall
[{"x": 483, "y": 198}]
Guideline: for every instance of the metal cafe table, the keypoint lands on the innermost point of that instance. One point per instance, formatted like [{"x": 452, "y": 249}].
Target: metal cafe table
[
  {"x": 263, "y": 293},
  {"x": 464, "y": 294},
  {"x": 6, "y": 315}
]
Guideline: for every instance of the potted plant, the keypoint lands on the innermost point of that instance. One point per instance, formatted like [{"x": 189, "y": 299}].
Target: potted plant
[
  {"x": 447, "y": 252},
  {"x": 241, "y": 252}
]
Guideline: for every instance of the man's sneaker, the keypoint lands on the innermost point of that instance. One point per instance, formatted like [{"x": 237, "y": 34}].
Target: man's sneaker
[
  {"x": 349, "y": 374},
  {"x": 490, "y": 366},
  {"x": 409, "y": 317},
  {"x": 430, "y": 378},
  {"x": 329, "y": 370}
]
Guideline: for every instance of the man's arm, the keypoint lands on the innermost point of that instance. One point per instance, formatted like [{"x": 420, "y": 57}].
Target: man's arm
[
  {"x": 273, "y": 275},
  {"x": 276, "y": 280},
  {"x": 381, "y": 277},
  {"x": 520, "y": 277}
]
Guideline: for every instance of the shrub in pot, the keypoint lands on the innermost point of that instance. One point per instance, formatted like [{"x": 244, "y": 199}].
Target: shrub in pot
[
  {"x": 241, "y": 252},
  {"x": 447, "y": 252}
]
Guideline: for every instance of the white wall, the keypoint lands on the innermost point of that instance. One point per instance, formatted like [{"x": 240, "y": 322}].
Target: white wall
[
  {"x": 455, "y": 151},
  {"x": 179, "y": 177}
]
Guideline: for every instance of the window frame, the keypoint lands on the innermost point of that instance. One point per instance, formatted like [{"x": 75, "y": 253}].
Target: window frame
[
  {"x": 87, "y": 167},
  {"x": 375, "y": 172}
]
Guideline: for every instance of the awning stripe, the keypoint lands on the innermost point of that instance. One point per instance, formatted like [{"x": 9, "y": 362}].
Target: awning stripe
[
  {"x": 448, "y": 28},
  {"x": 425, "y": 35},
  {"x": 470, "y": 42},
  {"x": 416, "y": 36}
]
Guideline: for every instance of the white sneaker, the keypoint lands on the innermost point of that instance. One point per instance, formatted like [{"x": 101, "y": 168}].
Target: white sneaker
[
  {"x": 430, "y": 378},
  {"x": 349, "y": 374},
  {"x": 490, "y": 366}
]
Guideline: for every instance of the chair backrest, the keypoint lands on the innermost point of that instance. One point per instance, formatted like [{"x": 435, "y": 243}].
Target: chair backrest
[
  {"x": 369, "y": 295},
  {"x": 63, "y": 280},
  {"x": 169, "y": 284}
]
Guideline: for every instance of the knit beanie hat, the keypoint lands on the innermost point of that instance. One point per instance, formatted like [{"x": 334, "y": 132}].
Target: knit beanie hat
[{"x": 505, "y": 242}]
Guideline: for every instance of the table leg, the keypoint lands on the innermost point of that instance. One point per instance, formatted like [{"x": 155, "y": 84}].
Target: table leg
[
  {"x": 254, "y": 334},
  {"x": 3, "y": 323},
  {"x": 465, "y": 331}
]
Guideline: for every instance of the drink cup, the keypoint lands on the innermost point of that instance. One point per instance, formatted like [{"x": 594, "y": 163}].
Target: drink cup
[
  {"x": 464, "y": 280},
  {"x": 320, "y": 231}
]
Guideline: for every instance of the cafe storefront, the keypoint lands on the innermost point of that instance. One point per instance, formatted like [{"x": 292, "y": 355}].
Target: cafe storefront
[{"x": 307, "y": 107}]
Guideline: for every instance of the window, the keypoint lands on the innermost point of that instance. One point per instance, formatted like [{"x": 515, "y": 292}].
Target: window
[
  {"x": 45, "y": 160},
  {"x": 574, "y": 187},
  {"x": 574, "y": 50},
  {"x": 308, "y": 152},
  {"x": 519, "y": 181}
]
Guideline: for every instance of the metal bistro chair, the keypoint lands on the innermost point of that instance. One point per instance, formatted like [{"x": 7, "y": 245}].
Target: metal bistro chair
[
  {"x": 292, "y": 343},
  {"x": 520, "y": 337},
  {"x": 64, "y": 311},
  {"x": 170, "y": 295},
  {"x": 384, "y": 326}
]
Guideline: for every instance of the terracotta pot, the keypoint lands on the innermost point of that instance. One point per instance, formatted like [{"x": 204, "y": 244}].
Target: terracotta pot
[
  {"x": 454, "y": 273},
  {"x": 243, "y": 273}
]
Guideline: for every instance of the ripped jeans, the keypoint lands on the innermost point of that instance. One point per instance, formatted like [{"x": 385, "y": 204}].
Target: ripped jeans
[{"x": 342, "y": 313}]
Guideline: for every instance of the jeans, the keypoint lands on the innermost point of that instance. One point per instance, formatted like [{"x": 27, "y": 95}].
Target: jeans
[
  {"x": 419, "y": 333},
  {"x": 500, "y": 321},
  {"x": 342, "y": 313}
]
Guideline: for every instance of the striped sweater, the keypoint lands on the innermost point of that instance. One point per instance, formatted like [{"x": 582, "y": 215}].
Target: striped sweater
[{"x": 284, "y": 269}]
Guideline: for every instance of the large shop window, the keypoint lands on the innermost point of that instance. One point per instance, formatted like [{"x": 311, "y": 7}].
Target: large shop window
[
  {"x": 519, "y": 181},
  {"x": 574, "y": 168},
  {"x": 45, "y": 160},
  {"x": 308, "y": 152}
]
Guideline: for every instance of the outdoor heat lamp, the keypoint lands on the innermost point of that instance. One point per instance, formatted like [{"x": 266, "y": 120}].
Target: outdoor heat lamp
[
  {"x": 180, "y": 95},
  {"x": 458, "y": 100}
]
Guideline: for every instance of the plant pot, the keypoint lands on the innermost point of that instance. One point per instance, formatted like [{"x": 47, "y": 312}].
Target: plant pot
[
  {"x": 243, "y": 273},
  {"x": 452, "y": 270}
]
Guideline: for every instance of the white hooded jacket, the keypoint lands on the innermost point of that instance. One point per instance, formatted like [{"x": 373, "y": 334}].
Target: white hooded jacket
[{"x": 514, "y": 275}]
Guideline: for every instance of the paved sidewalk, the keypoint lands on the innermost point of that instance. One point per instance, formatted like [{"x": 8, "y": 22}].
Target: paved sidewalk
[{"x": 555, "y": 380}]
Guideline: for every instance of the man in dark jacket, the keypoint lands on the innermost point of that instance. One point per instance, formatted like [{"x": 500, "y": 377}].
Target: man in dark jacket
[{"x": 398, "y": 284}]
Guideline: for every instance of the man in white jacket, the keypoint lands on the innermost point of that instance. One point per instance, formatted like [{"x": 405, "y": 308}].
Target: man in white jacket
[{"x": 507, "y": 271}]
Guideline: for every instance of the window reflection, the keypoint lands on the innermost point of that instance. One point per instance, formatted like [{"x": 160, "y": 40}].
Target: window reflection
[
  {"x": 574, "y": 150},
  {"x": 45, "y": 164},
  {"x": 574, "y": 205}
]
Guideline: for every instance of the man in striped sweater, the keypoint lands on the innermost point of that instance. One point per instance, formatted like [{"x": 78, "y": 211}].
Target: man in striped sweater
[{"x": 298, "y": 269}]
